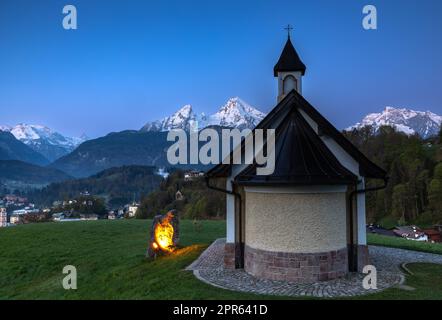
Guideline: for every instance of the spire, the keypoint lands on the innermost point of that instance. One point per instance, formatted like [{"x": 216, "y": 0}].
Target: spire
[
  {"x": 289, "y": 59},
  {"x": 288, "y": 28}
]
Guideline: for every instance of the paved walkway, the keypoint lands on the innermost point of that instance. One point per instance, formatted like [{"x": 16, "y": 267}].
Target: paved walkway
[{"x": 209, "y": 268}]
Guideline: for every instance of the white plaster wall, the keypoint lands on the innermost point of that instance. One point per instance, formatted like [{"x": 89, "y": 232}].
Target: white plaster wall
[
  {"x": 352, "y": 165},
  {"x": 230, "y": 216},
  {"x": 281, "y": 76},
  {"x": 296, "y": 222},
  {"x": 362, "y": 220},
  {"x": 230, "y": 199}
]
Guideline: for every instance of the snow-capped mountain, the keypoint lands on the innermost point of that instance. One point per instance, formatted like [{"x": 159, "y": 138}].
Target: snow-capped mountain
[
  {"x": 235, "y": 114},
  {"x": 424, "y": 123},
  {"x": 179, "y": 120},
  {"x": 49, "y": 143}
]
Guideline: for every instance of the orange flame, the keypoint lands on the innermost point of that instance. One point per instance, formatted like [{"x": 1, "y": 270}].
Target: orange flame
[{"x": 164, "y": 234}]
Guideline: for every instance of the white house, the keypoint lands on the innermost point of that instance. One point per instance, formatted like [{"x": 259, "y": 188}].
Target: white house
[
  {"x": 14, "y": 219},
  {"x": 3, "y": 217},
  {"x": 132, "y": 210}
]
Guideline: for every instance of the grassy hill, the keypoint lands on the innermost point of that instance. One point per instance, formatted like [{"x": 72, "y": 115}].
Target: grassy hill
[
  {"x": 109, "y": 256},
  {"x": 110, "y": 262}
]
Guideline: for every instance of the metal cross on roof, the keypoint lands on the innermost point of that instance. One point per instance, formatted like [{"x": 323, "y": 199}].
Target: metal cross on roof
[{"x": 288, "y": 28}]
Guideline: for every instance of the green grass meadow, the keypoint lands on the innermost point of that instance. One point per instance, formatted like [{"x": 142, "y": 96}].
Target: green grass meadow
[
  {"x": 394, "y": 242},
  {"x": 111, "y": 264}
]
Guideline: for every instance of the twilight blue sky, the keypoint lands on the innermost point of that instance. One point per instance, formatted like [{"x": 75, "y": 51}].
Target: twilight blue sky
[{"x": 134, "y": 61}]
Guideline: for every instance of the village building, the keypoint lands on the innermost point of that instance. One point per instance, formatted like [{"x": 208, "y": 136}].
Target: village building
[
  {"x": 179, "y": 196},
  {"x": 10, "y": 198},
  {"x": 15, "y": 218},
  {"x": 411, "y": 233},
  {"x": 89, "y": 217},
  {"x": 132, "y": 210},
  {"x": 59, "y": 216},
  {"x": 306, "y": 221},
  {"x": 434, "y": 235},
  {"x": 194, "y": 174},
  {"x": 3, "y": 217},
  {"x": 25, "y": 211}
]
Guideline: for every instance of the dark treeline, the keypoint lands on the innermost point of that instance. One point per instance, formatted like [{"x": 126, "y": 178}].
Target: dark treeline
[
  {"x": 118, "y": 186},
  {"x": 194, "y": 200},
  {"x": 414, "y": 166},
  {"x": 82, "y": 205}
]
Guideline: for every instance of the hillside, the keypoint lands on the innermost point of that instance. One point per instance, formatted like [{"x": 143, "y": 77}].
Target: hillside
[
  {"x": 13, "y": 149},
  {"x": 115, "y": 150},
  {"x": 20, "y": 175},
  {"x": 414, "y": 166},
  {"x": 118, "y": 149},
  {"x": 197, "y": 201},
  {"x": 109, "y": 256},
  {"x": 118, "y": 186}
]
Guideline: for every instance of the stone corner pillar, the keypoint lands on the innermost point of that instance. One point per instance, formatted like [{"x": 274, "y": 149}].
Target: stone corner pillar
[
  {"x": 363, "y": 257},
  {"x": 229, "y": 256}
]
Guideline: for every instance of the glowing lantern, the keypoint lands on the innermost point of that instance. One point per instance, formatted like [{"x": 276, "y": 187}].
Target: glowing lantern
[{"x": 164, "y": 234}]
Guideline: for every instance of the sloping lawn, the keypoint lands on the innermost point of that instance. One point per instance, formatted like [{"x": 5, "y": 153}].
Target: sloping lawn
[
  {"x": 110, "y": 261},
  {"x": 109, "y": 257},
  {"x": 396, "y": 242},
  {"x": 426, "y": 280}
]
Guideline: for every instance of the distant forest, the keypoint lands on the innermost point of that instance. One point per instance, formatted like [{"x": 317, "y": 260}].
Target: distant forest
[
  {"x": 414, "y": 166},
  {"x": 194, "y": 200},
  {"x": 117, "y": 186}
]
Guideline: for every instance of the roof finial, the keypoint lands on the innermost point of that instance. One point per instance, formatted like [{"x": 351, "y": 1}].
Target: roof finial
[{"x": 288, "y": 28}]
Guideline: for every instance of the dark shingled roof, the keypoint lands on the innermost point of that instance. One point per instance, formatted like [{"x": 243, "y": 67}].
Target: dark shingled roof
[
  {"x": 301, "y": 158},
  {"x": 294, "y": 101},
  {"x": 289, "y": 60}
]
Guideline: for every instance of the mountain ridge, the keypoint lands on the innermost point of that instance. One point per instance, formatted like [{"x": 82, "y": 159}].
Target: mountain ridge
[
  {"x": 49, "y": 143},
  {"x": 129, "y": 147},
  {"x": 13, "y": 149},
  {"x": 235, "y": 113},
  {"x": 408, "y": 121}
]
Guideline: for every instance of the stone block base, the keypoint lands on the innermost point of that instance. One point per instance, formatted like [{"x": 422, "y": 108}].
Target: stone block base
[
  {"x": 296, "y": 267},
  {"x": 363, "y": 257},
  {"x": 229, "y": 256}
]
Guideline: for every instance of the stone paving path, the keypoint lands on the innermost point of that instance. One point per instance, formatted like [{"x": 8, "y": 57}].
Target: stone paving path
[
  {"x": 389, "y": 259},
  {"x": 209, "y": 268}
]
